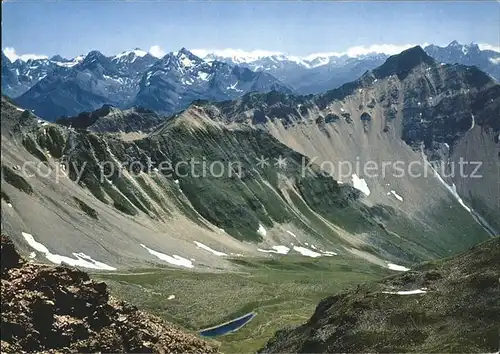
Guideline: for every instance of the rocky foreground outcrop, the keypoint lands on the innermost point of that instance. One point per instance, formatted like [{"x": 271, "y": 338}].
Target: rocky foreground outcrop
[
  {"x": 448, "y": 306},
  {"x": 60, "y": 309}
]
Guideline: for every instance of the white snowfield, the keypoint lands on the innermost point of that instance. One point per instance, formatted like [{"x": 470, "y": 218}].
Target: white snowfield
[
  {"x": 406, "y": 292},
  {"x": 174, "y": 259},
  {"x": 276, "y": 249},
  {"x": 397, "y": 196},
  {"x": 261, "y": 230},
  {"x": 306, "y": 252},
  {"x": 329, "y": 253},
  {"x": 203, "y": 76},
  {"x": 206, "y": 248},
  {"x": 360, "y": 184},
  {"x": 137, "y": 53},
  {"x": 171, "y": 297},
  {"x": 452, "y": 189},
  {"x": 80, "y": 260},
  {"x": 397, "y": 267}
]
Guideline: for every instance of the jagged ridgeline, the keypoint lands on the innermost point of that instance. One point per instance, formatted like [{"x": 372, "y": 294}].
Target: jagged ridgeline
[{"x": 238, "y": 195}]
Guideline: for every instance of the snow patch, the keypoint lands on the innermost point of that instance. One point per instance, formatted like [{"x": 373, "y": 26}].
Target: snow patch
[
  {"x": 397, "y": 196},
  {"x": 261, "y": 230},
  {"x": 32, "y": 255},
  {"x": 495, "y": 61},
  {"x": 186, "y": 62},
  {"x": 276, "y": 249},
  {"x": 306, "y": 252},
  {"x": 329, "y": 253},
  {"x": 171, "y": 297},
  {"x": 203, "y": 76},
  {"x": 360, "y": 184},
  {"x": 291, "y": 233},
  {"x": 452, "y": 190},
  {"x": 80, "y": 260},
  {"x": 473, "y": 122},
  {"x": 174, "y": 259},
  {"x": 459, "y": 199},
  {"x": 406, "y": 292},
  {"x": 137, "y": 53},
  {"x": 399, "y": 268},
  {"x": 206, "y": 248}
]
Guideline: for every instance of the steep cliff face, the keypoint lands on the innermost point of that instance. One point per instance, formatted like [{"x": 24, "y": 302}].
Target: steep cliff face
[
  {"x": 60, "y": 309},
  {"x": 429, "y": 309}
]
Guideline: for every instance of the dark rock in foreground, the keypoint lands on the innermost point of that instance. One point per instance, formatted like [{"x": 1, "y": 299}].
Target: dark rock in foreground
[
  {"x": 457, "y": 312},
  {"x": 60, "y": 309}
]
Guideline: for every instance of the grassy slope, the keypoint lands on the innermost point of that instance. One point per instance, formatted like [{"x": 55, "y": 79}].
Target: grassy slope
[
  {"x": 282, "y": 290},
  {"x": 460, "y": 312}
]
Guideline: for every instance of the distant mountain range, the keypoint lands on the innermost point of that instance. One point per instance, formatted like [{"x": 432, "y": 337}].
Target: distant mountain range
[
  {"x": 59, "y": 87},
  {"x": 319, "y": 73}
]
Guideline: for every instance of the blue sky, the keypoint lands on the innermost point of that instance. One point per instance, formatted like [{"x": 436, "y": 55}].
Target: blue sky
[{"x": 297, "y": 28}]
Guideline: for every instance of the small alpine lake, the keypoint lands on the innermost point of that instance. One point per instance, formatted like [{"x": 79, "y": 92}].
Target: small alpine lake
[{"x": 228, "y": 327}]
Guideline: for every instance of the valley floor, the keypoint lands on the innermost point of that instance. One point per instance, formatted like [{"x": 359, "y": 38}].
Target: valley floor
[{"x": 282, "y": 291}]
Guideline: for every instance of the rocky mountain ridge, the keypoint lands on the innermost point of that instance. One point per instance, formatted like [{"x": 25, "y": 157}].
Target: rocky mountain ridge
[{"x": 60, "y": 309}]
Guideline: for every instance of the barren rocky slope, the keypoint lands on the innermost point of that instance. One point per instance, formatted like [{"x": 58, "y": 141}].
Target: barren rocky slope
[
  {"x": 450, "y": 306},
  {"x": 59, "y": 309}
]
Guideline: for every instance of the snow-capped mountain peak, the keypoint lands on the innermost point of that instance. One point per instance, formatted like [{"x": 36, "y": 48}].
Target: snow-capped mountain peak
[
  {"x": 187, "y": 59},
  {"x": 94, "y": 56},
  {"x": 68, "y": 63},
  {"x": 130, "y": 55},
  {"x": 237, "y": 56}
]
